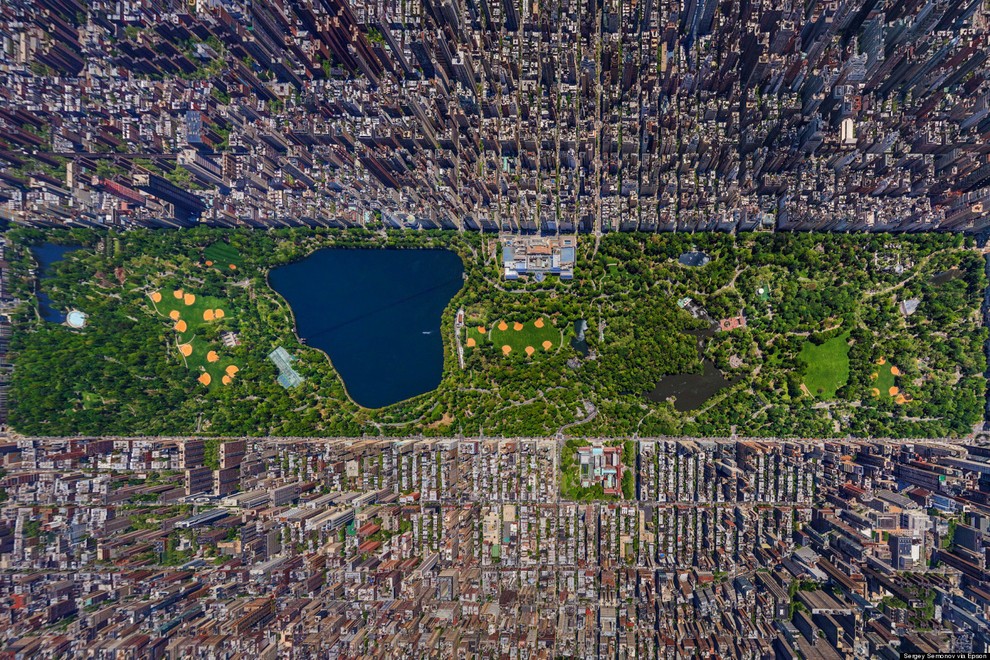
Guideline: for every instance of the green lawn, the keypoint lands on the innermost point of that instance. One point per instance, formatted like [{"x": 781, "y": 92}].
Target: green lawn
[
  {"x": 222, "y": 255},
  {"x": 198, "y": 360},
  {"x": 827, "y": 366},
  {"x": 529, "y": 335},
  {"x": 471, "y": 333},
  {"x": 191, "y": 314},
  {"x": 885, "y": 380},
  {"x": 195, "y": 316}
]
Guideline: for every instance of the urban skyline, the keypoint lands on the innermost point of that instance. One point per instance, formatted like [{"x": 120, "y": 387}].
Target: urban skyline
[
  {"x": 464, "y": 548},
  {"x": 523, "y": 117}
]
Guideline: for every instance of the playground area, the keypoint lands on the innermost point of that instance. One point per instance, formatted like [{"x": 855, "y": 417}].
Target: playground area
[
  {"x": 188, "y": 314},
  {"x": 885, "y": 382},
  {"x": 222, "y": 256},
  {"x": 516, "y": 337}
]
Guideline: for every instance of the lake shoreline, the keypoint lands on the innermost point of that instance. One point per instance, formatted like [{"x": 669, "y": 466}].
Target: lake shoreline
[
  {"x": 45, "y": 256},
  {"x": 367, "y": 316}
]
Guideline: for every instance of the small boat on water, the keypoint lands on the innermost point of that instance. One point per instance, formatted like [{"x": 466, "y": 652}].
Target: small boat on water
[{"x": 427, "y": 332}]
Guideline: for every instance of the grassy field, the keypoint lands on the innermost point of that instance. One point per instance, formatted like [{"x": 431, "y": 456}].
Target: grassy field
[
  {"x": 885, "y": 379},
  {"x": 189, "y": 315},
  {"x": 529, "y": 338},
  {"x": 886, "y": 384},
  {"x": 223, "y": 256},
  {"x": 828, "y": 366}
]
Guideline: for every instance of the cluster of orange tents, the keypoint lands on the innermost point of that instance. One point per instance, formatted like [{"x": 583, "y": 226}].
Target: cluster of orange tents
[
  {"x": 230, "y": 266},
  {"x": 186, "y": 349},
  {"x": 517, "y": 326},
  {"x": 893, "y": 391}
]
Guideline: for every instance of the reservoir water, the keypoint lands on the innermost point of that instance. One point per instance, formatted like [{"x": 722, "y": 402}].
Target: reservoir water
[
  {"x": 376, "y": 313},
  {"x": 47, "y": 255}
]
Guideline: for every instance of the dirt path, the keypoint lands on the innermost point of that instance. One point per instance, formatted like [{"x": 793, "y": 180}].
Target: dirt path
[
  {"x": 916, "y": 270},
  {"x": 588, "y": 418}
]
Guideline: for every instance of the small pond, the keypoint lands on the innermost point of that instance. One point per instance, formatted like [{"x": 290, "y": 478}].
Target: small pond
[
  {"x": 47, "y": 255},
  {"x": 690, "y": 391}
]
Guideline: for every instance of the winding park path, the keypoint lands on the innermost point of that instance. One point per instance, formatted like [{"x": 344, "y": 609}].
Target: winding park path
[
  {"x": 730, "y": 285},
  {"x": 916, "y": 270},
  {"x": 578, "y": 422},
  {"x": 379, "y": 425}
]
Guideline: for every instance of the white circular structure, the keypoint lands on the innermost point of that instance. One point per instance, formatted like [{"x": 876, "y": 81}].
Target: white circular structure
[{"x": 75, "y": 319}]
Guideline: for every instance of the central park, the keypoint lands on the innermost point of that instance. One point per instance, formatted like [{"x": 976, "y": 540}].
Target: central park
[{"x": 794, "y": 335}]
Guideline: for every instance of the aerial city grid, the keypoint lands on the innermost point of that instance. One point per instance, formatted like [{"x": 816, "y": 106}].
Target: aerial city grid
[{"x": 494, "y": 329}]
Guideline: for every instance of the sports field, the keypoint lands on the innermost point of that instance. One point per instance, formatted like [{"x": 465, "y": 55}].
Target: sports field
[
  {"x": 885, "y": 381},
  {"x": 223, "y": 256},
  {"x": 828, "y": 366},
  {"x": 517, "y": 337},
  {"x": 187, "y": 314}
]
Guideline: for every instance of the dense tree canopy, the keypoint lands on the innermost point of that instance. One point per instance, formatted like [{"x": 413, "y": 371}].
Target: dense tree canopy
[{"x": 119, "y": 376}]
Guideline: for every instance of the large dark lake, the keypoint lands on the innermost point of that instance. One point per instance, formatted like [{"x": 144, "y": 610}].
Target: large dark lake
[
  {"x": 47, "y": 255},
  {"x": 376, "y": 313}
]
